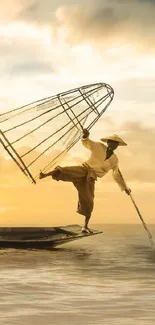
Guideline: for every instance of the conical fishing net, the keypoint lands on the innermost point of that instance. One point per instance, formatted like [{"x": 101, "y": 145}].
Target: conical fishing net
[{"x": 38, "y": 135}]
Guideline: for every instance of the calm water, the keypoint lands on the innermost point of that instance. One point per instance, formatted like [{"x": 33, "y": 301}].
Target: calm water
[{"x": 105, "y": 279}]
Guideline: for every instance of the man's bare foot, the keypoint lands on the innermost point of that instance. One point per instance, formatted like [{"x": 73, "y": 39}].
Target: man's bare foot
[
  {"x": 41, "y": 175},
  {"x": 86, "y": 230}
]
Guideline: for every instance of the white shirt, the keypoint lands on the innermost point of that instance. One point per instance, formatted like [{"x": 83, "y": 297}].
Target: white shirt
[{"x": 98, "y": 163}]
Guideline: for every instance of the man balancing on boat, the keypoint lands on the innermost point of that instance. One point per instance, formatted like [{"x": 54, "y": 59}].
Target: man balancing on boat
[{"x": 83, "y": 177}]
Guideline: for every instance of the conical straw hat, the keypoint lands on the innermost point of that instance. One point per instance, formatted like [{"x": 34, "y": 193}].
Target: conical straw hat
[{"x": 114, "y": 137}]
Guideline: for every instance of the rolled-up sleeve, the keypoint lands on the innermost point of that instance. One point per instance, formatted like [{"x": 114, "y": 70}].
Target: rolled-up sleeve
[
  {"x": 89, "y": 144},
  {"x": 118, "y": 178}
]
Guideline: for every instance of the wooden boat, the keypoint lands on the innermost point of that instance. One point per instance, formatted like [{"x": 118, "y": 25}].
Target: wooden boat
[{"x": 40, "y": 237}]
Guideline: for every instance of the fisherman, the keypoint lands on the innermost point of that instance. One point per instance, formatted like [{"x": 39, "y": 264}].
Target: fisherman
[{"x": 83, "y": 177}]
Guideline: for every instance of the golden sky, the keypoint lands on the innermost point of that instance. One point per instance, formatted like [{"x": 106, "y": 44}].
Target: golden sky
[{"x": 52, "y": 46}]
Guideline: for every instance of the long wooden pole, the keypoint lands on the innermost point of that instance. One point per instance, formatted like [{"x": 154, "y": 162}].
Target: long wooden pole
[{"x": 140, "y": 216}]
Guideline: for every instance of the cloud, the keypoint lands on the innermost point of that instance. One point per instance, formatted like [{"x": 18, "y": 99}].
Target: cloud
[
  {"x": 32, "y": 67},
  {"x": 99, "y": 42},
  {"x": 115, "y": 22},
  {"x": 103, "y": 23},
  {"x": 10, "y": 9},
  {"x": 138, "y": 159},
  {"x": 137, "y": 92}
]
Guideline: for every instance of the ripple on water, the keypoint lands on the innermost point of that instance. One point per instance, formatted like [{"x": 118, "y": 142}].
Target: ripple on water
[{"x": 105, "y": 279}]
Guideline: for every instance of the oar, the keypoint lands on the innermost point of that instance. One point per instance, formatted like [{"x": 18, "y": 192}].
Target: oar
[{"x": 141, "y": 218}]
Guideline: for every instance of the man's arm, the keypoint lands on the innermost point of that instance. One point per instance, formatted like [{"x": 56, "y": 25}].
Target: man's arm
[
  {"x": 120, "y": 181},
  {"x": 89, "y": 144}
]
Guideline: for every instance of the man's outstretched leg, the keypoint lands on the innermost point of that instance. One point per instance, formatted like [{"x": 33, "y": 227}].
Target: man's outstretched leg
[
  {"x": 66, "y": 174},
  {"x": 55, "y": 172}
]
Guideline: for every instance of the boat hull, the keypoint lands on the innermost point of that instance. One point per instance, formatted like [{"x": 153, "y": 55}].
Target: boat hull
[{"x": 40, "y": 237}]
